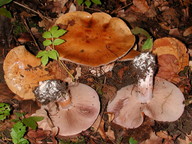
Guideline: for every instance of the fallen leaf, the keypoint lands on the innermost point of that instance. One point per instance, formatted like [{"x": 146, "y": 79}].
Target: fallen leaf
[
  {"x": 141, "y": 6},
  {"x": 187, "y": 31}
]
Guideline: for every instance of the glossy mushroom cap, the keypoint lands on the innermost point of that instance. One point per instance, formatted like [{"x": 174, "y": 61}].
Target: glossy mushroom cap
[
  {"x": 93, "y": 39},
  {"x": 76, "y": 116},
  {"x": 166, "y": 104},
  {"x": 23, "y": 71}
]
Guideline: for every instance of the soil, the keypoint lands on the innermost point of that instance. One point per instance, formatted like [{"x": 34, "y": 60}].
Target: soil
[{"x": 161, "y": 19}]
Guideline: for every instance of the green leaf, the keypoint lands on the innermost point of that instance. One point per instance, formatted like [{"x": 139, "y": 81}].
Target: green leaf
[
  {"x": 20, "y": 114},
  {"x": 32, "y": 121},
  {"x": 4, "y": 110},
  {"x": 132, "y": 141},
  {"x": 96, "y": 2},
  {"x": 53, "y": 54},
  {"x": 147, "y": 46},
  {"x": 47, "y": 42},
  {"x": 41, "y": 53},
  {"x": 58, "y": 41},
  {"x": 47, "y": 34},
  {"x": 4, "y": 2},
  {"x": 138, "y": 30},
  {"x": 44, "y": 60},
  {"x": 5, "y": 12},
  {"x": 17, "y": 132},
  {"x": 23, "y": 141},
  {"x": 58, "y": 33},
  {"x": 88, "y": 3},
  {"x": 79, "y": 2},
  {"x": 54, "y": 29}
]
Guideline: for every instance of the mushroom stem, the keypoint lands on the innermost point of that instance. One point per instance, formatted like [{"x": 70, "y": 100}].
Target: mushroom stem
[
  {"x": 64, "y": 102},
  {"x": 145, "y": 87},
  {"x": 145, "y": 68}
]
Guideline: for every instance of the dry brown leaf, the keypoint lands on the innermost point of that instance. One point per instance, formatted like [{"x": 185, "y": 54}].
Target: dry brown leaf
[
  {"x": 140, "y": 6},
  {"x": 187, "y": 31},
  {"x": 154, "y": 139}
]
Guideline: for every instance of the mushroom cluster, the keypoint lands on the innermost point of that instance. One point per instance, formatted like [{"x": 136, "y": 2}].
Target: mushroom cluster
[
  {"x": 93, "y": 39},
  {"x": 160, "y": 100},
  {"x": 72, "y": 110}
]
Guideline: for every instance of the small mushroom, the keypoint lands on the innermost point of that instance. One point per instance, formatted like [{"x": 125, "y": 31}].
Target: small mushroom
[
  {"x": 161, "y": 100},
  {"x": 93, "y": 39},
  {"x": 23, "y": 71},
  {"x": 172, "y": 51},
  {"x": 75, "y": 108}
]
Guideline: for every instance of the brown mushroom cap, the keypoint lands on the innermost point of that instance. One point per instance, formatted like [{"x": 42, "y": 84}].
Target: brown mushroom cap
[
  {"x": 77, "y": 116},
  {"x": 166, "y": 104},
  {"x": 23, "y": 71},
  {"x": 172, "y": 51},
  {"x": 93, "y": 39}
]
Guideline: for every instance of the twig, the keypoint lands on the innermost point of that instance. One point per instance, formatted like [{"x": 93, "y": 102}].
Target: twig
[
  {"x": 40, "y": 15},
  {"x": 28, "y": 29}
]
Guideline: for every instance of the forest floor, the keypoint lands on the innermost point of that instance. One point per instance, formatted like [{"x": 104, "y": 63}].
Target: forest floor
[{"x": 160, "y": 18}]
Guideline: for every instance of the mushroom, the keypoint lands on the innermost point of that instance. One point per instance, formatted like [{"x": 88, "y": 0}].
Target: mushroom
[
  {"x": 23, "y": 71},
  {"x": 93, "y": 39},
  {"x": 161, "y": 100},
  {"x": 172, "y": 51},
  {"x": 74, "y": 109}
]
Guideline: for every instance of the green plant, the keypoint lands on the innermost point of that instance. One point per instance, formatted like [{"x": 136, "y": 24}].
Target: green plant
[
  {"x": 20, "y": 127},
  {"x": 52, "y": 38},
  {"x": 147, "y": 46},
  {"x": 17, "y": 133},
  {"x": 4, "y": 11},
  {"x": 132, "y": 141},
  {"x": 88, "y": 2},
  {"x": 4, "y": 110}
]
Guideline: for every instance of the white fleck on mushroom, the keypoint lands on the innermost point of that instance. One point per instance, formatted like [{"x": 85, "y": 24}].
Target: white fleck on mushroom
[
  {"x": 161, "y": 100},
  {"x": 73, "y": 111}
]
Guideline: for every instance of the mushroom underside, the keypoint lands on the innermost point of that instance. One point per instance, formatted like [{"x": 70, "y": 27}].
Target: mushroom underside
[
  {"x": 76, "y": 117},
  {"x": 166, "y": 104}
]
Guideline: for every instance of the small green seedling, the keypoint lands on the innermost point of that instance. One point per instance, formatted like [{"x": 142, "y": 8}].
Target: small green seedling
[
  {"x": 147, "y": 46},
  {"x": 88, "y": 2},
  {"x": 17, "y": 133},
  {"x": 4, "y": 11},
  {"x": 4, "y": 111},
  {"x": 52, "y": 38},
  {"x": 46, "y": 55},
  {"x": 53, "y": 35},
  {"x": 20, "y": 127},
  {"x": 132, "y": 141}
]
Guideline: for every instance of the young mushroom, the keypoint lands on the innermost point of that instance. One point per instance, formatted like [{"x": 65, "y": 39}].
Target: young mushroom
[
  {"x": 72, "y": 109},
  {"x": 23, "y": 71},
  {"x": 160, "y": 100},
  {"x": 93, "y": 39}
]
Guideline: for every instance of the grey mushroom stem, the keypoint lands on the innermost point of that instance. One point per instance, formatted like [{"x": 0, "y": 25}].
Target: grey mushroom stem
[{"x": 145, "y": 66}]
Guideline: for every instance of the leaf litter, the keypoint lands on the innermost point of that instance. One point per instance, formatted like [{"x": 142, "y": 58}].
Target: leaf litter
[{"x": 159, "y": 18}]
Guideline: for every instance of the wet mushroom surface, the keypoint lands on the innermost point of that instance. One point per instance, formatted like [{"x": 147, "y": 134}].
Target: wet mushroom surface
[{"x": 94, "y": 39}]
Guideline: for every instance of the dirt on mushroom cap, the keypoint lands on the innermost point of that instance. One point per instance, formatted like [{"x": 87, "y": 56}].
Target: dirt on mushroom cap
[
  {"x": 95, "y": 39},
  {"x": 74, "y": 117},
  {"x": 166, "y": 104},
  {"x": 23, "y": 71}
]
